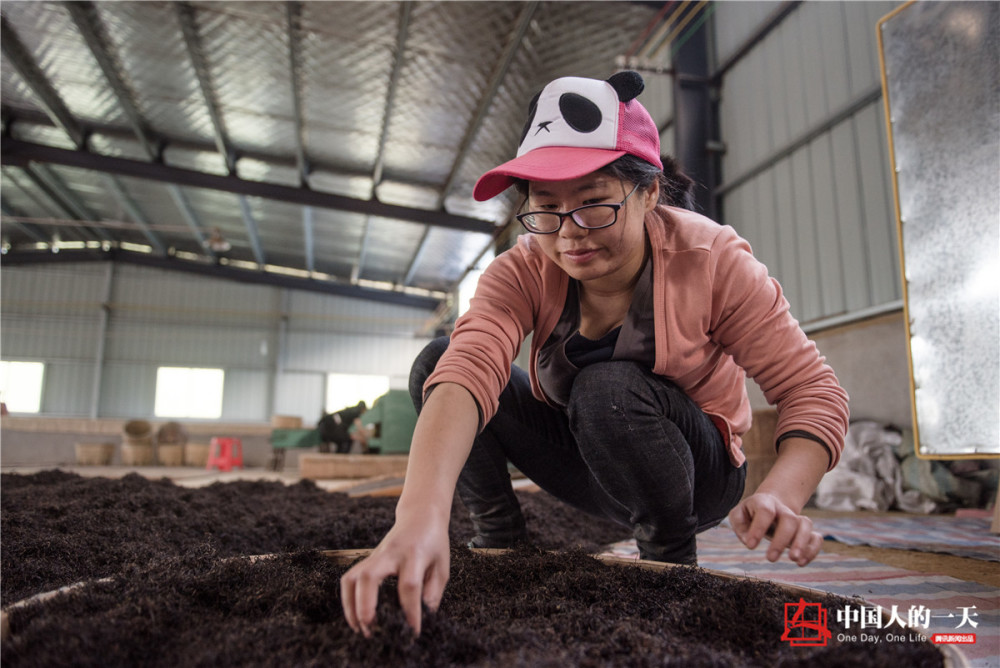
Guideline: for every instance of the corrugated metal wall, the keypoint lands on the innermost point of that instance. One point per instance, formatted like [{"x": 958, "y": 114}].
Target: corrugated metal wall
[
  {"x": 276, "y": 346},
  {"x": 54, "y": 315},
  {"x": 806, "y": 169},
  {"x": 805, "y": 180}
]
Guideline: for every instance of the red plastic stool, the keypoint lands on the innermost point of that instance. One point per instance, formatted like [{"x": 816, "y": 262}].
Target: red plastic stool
[{"x": 224, "y": 453}]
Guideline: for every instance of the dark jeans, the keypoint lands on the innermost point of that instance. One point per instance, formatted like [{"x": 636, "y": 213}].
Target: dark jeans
[{"x": 632, "y": 448}]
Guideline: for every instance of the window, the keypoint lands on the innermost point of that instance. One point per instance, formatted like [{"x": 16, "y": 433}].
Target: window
[
  {"x": 188, "y": 393},
  {"x": 343, "y": 390},
  {"x": 21, "y": 386}
]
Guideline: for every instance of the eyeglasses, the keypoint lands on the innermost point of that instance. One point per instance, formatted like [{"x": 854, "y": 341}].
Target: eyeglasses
[{"x": 588, "y": 216}]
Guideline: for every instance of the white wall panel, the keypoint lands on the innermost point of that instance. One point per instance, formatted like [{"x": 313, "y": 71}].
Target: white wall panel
[
  {"x": 59, "y": 285},
  {"x": 789, "y": 261},
  {"x": 731, "y": 123},
  {"x": 850, "y": 218},
  {"x": 301, "y": 394},
  {"x": 37, "y": 337},
  {"x": 791, "y": 70},
  {"x": 829, "y": 22},
  {"x": 861, "y": 19},
  {"x": 879, "y": 211},
  {"x": 153, "y": 295},
  {"x": 807, "y": 246},
  {"x": 808, "y": 37},
  {"x": 384, "y": 356},
  {"x": 341, "y": 315},
  {"x": 827, "y": 226},
  {"x": 245, "y": 396},
  {"x": 128, "y": 390},
  {"x": 50, "y": 314},
  {"x": 775, "y": 88},
  {"x": 767, "y": 230},
  {"x": 64, "y": 390},
  {"x": 53, "y": 313},
  {"x": 189, "y": 345},
  {"x": 823, "y": 220},
  {"x": 736, "y": 21}
]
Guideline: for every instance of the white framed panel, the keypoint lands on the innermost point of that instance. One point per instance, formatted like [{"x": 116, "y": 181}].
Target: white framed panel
[{"x": 942, "y": 83}]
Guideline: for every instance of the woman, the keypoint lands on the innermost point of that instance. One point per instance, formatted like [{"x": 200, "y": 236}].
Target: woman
[{"x": 646, "y": 319}]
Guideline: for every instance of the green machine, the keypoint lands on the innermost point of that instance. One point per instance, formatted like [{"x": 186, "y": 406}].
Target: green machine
[
  {"x": 287, "y": 439},
  {"x": 394, "y": 419}
]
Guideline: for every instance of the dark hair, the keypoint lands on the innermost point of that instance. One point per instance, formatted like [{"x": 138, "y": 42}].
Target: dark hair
[{"x": 676, "y": 187}]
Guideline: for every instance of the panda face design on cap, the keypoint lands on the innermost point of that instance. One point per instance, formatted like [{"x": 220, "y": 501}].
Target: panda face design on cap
[
  {"x": 577, "y": 126},
  {"x": 573, "y": 111}
]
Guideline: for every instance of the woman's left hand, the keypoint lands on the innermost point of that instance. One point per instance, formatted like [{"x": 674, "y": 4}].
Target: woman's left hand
[{"x": 764, "y": 514}]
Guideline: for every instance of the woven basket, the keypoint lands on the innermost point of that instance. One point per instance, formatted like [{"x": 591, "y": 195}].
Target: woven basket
[{"x": 94, "y": 454}]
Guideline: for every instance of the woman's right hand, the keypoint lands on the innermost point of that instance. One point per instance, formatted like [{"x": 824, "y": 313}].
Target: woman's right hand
[
  {"x": 418, "y": 553},
  {"x": 417, "y": 550}
]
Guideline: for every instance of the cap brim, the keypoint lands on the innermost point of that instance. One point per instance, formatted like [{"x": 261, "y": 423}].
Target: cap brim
[{"x": 549, "y": 163}]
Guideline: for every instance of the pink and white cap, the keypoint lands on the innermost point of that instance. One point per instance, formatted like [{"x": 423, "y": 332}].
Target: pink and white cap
[{"x": 575, "y": 127}]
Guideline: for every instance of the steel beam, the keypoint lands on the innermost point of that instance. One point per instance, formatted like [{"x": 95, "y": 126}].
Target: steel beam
[
  {"x": 34, "y": 117},
  {"x": 84, "y": 15},
  {"x": 215, "y": 270},
  {"x": 191, "y": 218},
  {"x": 294, "y": 16},
  {"x": 48, "y": 205},
  {"x": 421, "y": 249},
  {"x": 126, "y": 202},
  {"x": 251, "y": 225},
  {"x": 50, "y": 101},
  {"x": 496, "y": 78},
  {"x": 293, "y": 12},
  {"x": 307, "y": 233},
  {"x": 17, "y": 152},
  {"x": 29, "y": 229},
  {"x": 359, "y": 266},
  {"x": 102, "y": 341},
  {"x": 390, "y": 101},
  {"x": 695, "y": 118},
  {"x": 58, "y": 192},
  {"x": 185, "y": 16}
]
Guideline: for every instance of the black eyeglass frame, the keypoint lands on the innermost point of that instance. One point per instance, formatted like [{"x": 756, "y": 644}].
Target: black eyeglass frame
[{"x": 562, "y": 216}]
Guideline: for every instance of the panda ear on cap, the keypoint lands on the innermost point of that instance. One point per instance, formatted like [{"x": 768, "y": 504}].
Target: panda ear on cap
[{"x": 627, "y": 84}]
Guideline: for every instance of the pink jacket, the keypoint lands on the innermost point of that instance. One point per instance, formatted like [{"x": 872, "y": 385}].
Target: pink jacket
[{"x": 718, "y": 317}]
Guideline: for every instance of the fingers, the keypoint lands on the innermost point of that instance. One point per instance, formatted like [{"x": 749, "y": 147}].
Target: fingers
[
  {"x": 760, "y": 516},
  {"x": 347, "y": 603},
  {"x": 806, "y": 544},
  {"x": 418, "y": 581},
  {"x": 739, "y": 520},
  {"x": 785, "y": 530},
  {"x": 751, "y": 519},
  {"x": 411, "y": 587},
  {"x": 359, "y": 592},
  {"x": 435, "y": 582}
]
